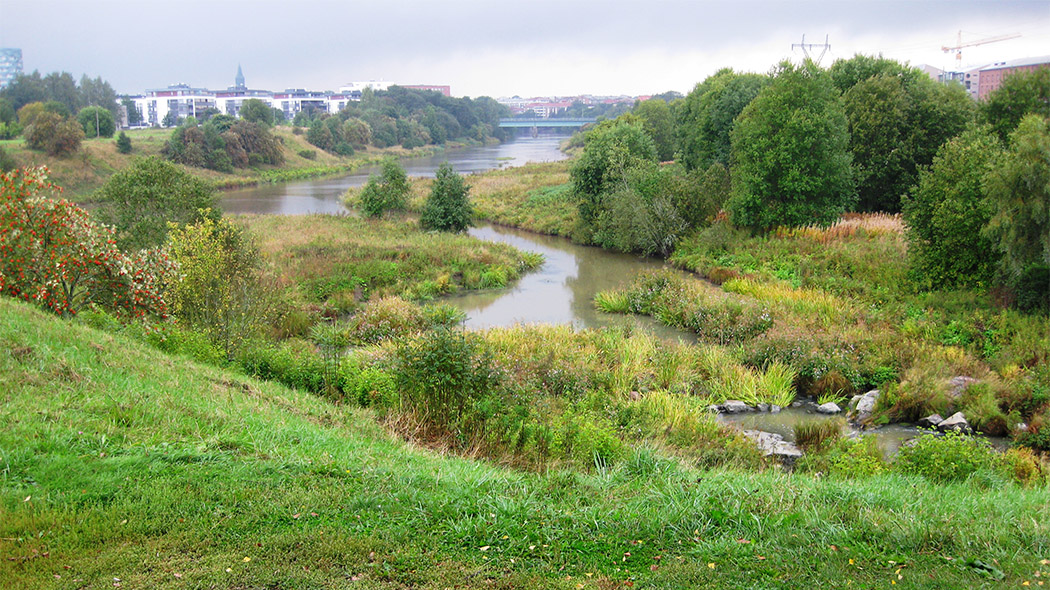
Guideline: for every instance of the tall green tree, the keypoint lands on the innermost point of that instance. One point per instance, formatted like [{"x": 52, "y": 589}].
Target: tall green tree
[
  {"x": 1020, "y": 94},
  {"x": 97, "y": 122},
  {"x": 897, "y": 123},
  {"x": 1018, "y": 187},
  {"x": 946, "y": 212},
  {"x": 142, "y": 199},
  {"x": 610, "y": 150},
  {"x": 659, "y": 124},
  {"x": 790, "y": 149},
  {"x": 706, "y": 116},
  {"x": 256, "y": 111},
  {"x": 448, "y": 206}
]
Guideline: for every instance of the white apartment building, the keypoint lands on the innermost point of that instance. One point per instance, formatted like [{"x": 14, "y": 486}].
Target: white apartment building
[{"x": 181, "y": 99}]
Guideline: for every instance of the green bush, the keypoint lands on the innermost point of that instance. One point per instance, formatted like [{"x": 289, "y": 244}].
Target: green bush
[
  {"x": 855, "y": 457},
  {"x": 308, "y": 154},
  {"x": 441, "y": 374},
  {"x": 294, "y": 363},
  {"x": 448, "y": 206},
  {"x": 367, "y": 386},
  {"x": 949, "y": 458}
]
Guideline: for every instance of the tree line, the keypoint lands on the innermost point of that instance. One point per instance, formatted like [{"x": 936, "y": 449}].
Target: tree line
[{"x": 802, "y": 144}]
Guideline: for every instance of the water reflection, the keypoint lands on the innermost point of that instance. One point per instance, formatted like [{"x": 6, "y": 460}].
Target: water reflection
[{"x": 562, "y": 290}]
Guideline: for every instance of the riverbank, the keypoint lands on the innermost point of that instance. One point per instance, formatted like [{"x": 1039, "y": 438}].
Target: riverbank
[
  {"x": 124, "y": 466},
  {"x": 83, "y": 173}
]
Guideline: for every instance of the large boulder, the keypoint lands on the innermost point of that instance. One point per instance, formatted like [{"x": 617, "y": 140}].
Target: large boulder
[
  {"x": 772, "y": 444},
  {"x": 865, "y": 406},
  {"x": 734, "y": 406},
  {"x": 956, "y": 422},
  {"x": 829, "y": 408}
]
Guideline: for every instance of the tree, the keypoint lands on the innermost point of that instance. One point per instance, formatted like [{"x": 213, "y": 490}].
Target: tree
[
  {"x": 1018, "y": 187},
  {"x": 385, "y": 192},
  {"x": 171, "y": 119},
  {"x": 659, "y": 124},
  {"x": 25, "y": 89},
  {"x": 707, "y": 116},
  {"x": 254, "y": 110},
  {"x": 847, "y": 73},
  {"x": 320, "y": 135},
  {"x": 791, "y": 162},
  {"x": 54, "y": 134},
  {"x": 142, "y": 199},
  {"x": 448, "y": 206},
  {"x": 29, "y": 112},
  {"x": 221, "y": 291},
  {"x": 134, "y": 114},
  {"x": 97, "y": 122},
  {"x": 62, "y": 88},
  {"x": 1020, "y": 94},
  {"x": 123, "y": 143},
  {"x": 611, "y": 148},
  {"x": 946, "y": 212},
  {"x": 52, "y": 254},
  {"x": 97, "y": 92},
  {"x": 897, "y": 122}
]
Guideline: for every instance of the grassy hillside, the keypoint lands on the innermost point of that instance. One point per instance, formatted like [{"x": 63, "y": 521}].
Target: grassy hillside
[
  {"x": 98, "y": 159},
  {"x": 120, "y": 467}
]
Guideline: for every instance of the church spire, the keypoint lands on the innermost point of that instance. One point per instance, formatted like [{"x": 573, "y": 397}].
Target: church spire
[{"x": 239, "y": 80}]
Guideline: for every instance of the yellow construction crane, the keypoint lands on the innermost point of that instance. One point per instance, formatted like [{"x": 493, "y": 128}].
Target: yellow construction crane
[{"x": 959, "y": 45}]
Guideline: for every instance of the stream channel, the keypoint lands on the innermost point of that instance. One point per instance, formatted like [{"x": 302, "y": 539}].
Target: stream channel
[{"x": 559, "y": 292}]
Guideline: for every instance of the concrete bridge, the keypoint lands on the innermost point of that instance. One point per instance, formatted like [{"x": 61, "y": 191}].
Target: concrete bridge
[{"x": 540, "y": 122}]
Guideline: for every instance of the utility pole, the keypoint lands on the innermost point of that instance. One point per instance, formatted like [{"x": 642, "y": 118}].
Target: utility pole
[{"x": 806, "y": 47}]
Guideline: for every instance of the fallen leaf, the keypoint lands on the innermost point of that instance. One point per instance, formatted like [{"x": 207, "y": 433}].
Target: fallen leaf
[
  {"x": 296, "y": 515},
  {"x": 246, "y": 559},
  {"x": 27, "y": 498},
  {"x": 486, "y": 547},
  {"x": 177, "y": 575},
  {"x": 654, "y": 567},
  {"x": 743, "y": 541},
  {"x": 711, "y": 565}
]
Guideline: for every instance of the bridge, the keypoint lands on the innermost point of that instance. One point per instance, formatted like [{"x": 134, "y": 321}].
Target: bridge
[{"x": 540, "y": 122}]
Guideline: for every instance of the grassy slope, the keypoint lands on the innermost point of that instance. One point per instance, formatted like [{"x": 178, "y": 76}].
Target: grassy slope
[{"x": 118, "y": 462}]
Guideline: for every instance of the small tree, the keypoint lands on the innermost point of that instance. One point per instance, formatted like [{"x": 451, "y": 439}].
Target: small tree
[
  {"x": 945, "y": 213},
  {"x": 448, "y": 206},
  {"x": 141, "y": 199},
  {"x": 123, "y": 143},
  {"x": 254, "y": 110},
  {"x": 52, "y": 254},
  {"x": 220, "y": 290},
  {"x": 96, "y": 122}
]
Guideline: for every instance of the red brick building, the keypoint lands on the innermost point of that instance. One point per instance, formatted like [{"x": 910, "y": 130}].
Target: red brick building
[{"x": 991, "y": 77}]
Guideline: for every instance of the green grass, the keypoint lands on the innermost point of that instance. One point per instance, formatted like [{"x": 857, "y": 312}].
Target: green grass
[
  {"x": 119, "y": 463},
  {"x": 339, "y": 261}
]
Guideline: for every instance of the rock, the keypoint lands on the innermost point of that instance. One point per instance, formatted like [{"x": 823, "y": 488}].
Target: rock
[
  {"x": 956, "y": 422},
  {"x": 714, "y": 408},
  {"x": 734, "y": 406},
  {"x": 931, "y": 421},
  {"x": 853, "y": 402},
  {"x": 774, "y": 409},
  {"x": 866, "y": 405},
  {"x": 635, "y": 396},
  {"x": 775, "y": 445},
  {"x": 959, "y": 385},
  {"x": 796, "y": 404},
  {"x": 829, "y": 408},
  {"x": 763, "y": 407}
]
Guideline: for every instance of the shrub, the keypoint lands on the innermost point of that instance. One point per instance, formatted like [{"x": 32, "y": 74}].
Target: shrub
[
  {"x": 949, "y": 458},
  {"x": 221, "y": 291},
  {"x": 123, "y": 143},
  {"x": 308, "y": 154},
  {"x": 854, "y": 457},
  {"x": 54, "y": 134},
  {"x": 294, "y": 363},
  {"x": 143, "y": 199},
  {"x": 53, "y": 254},
  {"x": 1025, "y": 467},
  {"x": 441, "y": 374}
]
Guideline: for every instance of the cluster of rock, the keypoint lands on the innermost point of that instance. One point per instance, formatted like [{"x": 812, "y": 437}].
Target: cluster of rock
[
  {"x": 954, "y": 423},
  {"x": 774, "y": 445},
  {"x": 861, "y": 408},
  {"x": 735, "y": 406}
]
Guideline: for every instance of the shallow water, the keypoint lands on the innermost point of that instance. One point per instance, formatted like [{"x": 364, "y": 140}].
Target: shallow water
[{"x": 889, "y": 437}]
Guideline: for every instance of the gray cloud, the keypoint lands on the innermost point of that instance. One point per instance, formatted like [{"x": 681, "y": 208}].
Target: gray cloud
[{"x": 483, "y": 47}]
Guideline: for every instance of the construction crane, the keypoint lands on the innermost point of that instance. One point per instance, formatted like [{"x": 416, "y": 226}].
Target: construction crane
[{"x": 958, "y": 47}]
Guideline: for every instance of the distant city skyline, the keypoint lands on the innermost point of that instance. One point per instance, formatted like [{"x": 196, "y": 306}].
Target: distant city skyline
[{"x": 539, "y": 48}]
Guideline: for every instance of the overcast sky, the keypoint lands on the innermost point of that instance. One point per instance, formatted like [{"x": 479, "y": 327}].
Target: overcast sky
[{"x": 493, "y": 47}]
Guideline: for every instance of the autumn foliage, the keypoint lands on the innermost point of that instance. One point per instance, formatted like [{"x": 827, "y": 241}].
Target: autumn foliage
[{"x": 53, "y": 254}]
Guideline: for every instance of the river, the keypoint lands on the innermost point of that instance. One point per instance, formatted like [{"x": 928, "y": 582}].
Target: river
[{"x": 560, "y": 292}]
